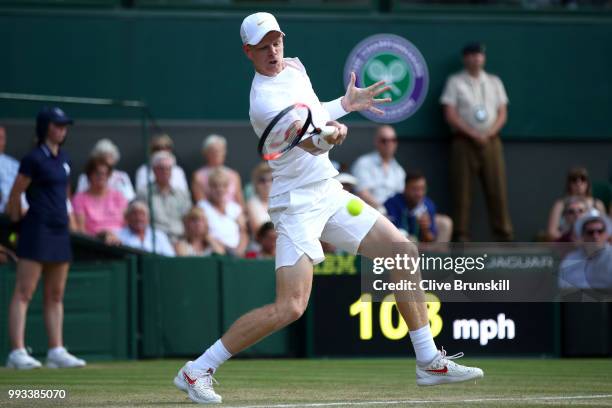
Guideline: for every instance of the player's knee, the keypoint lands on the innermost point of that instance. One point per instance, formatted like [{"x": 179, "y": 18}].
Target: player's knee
[
  {"x": 292, "y": 310},
  {"x": 294, "y": 313},
  {"x": 405, "y": 246},
  {"x": 412, "y": 250}
]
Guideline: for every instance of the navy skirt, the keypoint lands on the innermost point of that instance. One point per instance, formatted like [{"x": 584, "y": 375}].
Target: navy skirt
[{"x": 39, "y": 241}]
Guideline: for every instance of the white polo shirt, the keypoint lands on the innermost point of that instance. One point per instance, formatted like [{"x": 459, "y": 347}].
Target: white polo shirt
[
  {"x": 162, "y": 243},
  {"x": 270, "y": 95},
  {"x": 466, "y": 94},
  {"x": 383, "y": 183},
  {"x": 223, "y": 226}
]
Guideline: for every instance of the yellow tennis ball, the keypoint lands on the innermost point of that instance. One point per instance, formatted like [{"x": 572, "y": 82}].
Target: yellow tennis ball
[
  {"x": 354, "y": 207},
  {"x": 12, "y": 238}
]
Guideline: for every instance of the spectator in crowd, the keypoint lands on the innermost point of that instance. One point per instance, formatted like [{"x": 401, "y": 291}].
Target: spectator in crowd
[
  {"x": 138, "y": 234},
  {"x": 225, "y": 218},
  {"x": 118, "y": 180},
  {"x": 168, "y": 204},
  {"x": 266, "y": 240},
  {"x": 8, "y": 171},
  {"x": 197, "y": 240},
  {"x": 573, "y": 208},
  {"x": 43, "y": 246},
  {"x": 257, "y": 205},
  {"x": 577, "y": 184},
  {"x": 99, "y": 210},
  {"x": 379, "y": 175},
  {"x": 475, "y": 107},
  {"x": 214, "y": 151},
  {"x": 590, "y": 266},
  {"x": 178, "y": 181},
  {"x": 415, "y": 213}
]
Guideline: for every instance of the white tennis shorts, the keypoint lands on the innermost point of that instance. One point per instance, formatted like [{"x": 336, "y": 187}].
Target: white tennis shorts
[{"x": 314, "y": 211}]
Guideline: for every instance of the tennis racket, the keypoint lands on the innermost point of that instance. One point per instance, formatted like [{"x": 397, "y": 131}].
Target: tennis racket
[{"x": 287, "y": 130}]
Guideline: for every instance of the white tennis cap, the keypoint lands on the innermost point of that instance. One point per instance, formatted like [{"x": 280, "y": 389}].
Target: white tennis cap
[
  {"x": 256, "y": 26},
  {"x": 589, "y": 216}
]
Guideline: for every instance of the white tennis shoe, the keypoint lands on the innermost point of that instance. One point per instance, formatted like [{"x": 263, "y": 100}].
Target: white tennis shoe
[
  {"x": 442, "y": 370},
  {"x": 21, "y": 360},
  {"x": 198, "y": 384},
  {"x": 63, "y": 359}
]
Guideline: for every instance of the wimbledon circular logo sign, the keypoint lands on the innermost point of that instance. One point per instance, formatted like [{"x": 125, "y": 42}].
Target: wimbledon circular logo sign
[{"x": 400, "y": 64}]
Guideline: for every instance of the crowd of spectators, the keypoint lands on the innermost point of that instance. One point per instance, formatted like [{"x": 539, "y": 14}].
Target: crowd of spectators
[{"x": 213, "y": 220}]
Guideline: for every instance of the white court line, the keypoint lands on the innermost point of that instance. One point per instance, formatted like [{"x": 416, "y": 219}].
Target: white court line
[{"x": 396, "y": 402}]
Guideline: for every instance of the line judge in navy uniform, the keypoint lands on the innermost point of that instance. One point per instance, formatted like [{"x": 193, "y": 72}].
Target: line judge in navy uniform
[{"x": 44, "y": 240}]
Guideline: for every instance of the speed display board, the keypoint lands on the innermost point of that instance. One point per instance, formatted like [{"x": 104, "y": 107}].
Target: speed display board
[{"x": 342, "y": 321}]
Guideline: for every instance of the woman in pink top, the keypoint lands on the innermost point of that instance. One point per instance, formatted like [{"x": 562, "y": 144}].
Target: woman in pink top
[
  {"x": 214, "y": 149},
  {"x": 99, "y": 210}
]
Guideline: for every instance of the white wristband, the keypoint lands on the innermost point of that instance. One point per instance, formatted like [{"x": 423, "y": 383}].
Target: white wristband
[
  {"x": 335, "y": 108},
  {"x": 321, "y": 143}
]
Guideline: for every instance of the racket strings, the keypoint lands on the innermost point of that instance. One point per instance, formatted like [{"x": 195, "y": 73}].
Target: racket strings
[
  {"x": 285, "y": 131},
  {"x": 282, "y": 139}
]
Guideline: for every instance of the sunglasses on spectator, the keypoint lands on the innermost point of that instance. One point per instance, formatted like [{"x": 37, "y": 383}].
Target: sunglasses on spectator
[
  {"x": 388, "y": 140},
  {"x": 574, "y": 179},
  {"x": 574, "y": 211},
  {"x": 594, "y": 231},
  {"x": 264, "y": 180}
]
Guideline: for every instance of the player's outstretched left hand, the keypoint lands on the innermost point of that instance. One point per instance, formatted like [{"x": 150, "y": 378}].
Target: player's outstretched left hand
[{"x": 358, "y": 99}]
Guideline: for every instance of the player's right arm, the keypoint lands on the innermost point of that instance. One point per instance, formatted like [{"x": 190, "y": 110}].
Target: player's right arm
[
  {"x": 13, "y": 207},
  {"x": 332, "y": 140},
  {"x": 265, "y": 108}
]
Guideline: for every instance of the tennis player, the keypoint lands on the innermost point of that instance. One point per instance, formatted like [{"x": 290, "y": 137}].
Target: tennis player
[{"x": 307, "y": 204}]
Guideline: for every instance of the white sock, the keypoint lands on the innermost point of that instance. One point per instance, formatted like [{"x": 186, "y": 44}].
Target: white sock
[
  {"x": 19, "y": 350},
  {"x": 216, "y": 355},
  {"x": 55, "y": 350},
  {"x": 424, "y": 346}
]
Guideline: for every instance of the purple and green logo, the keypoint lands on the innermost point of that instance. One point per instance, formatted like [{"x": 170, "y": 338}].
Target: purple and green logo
[{"x": 398, "y": 62}]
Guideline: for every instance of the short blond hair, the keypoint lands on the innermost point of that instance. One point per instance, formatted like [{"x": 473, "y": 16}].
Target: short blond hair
[
  {"x": 194, "y": 212},
  {"x": 136, "y": 204},
  {"x": 218, "y": 175},
  {"x": 213, "y": 139},
  {"x": 163, "y": 141},
  {"x": 259, "y": 170},
  {"x": 106, "y": 146},
  {"x": 158, "y": 157}
]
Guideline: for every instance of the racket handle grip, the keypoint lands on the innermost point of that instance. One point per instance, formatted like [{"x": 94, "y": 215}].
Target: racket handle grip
[
  {"x": 321, "y": 143},
  {"x": 327, "y": 130}
]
